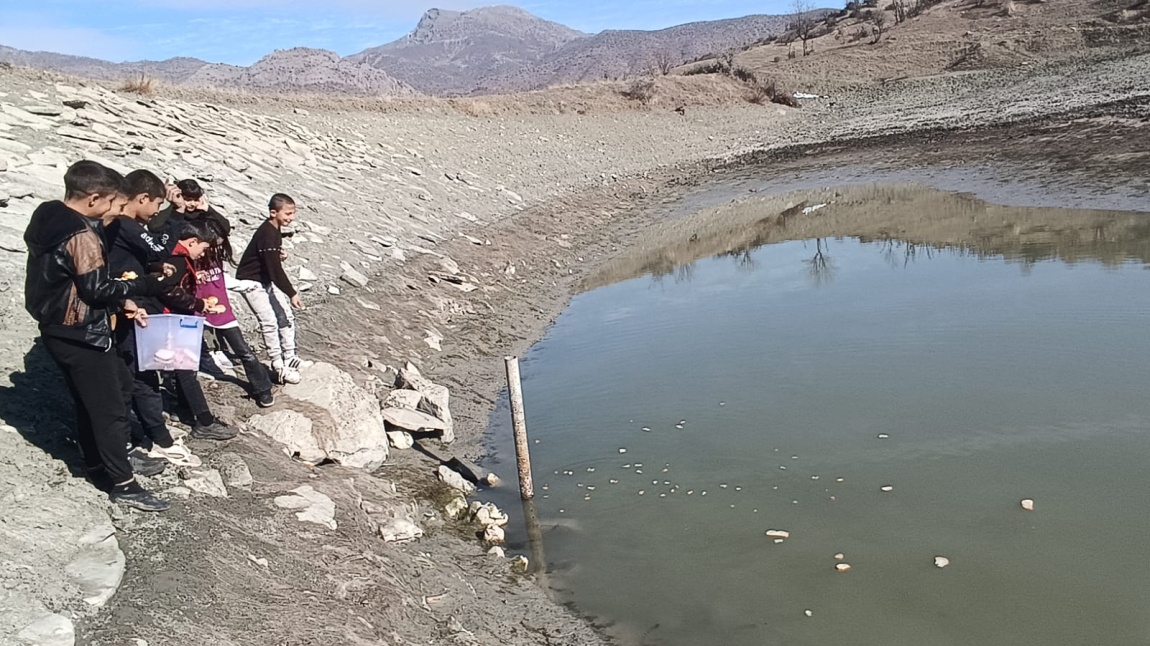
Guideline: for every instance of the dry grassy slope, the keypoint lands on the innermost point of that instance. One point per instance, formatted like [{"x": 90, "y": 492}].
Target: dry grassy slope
[{"x": 956, "y": 35}]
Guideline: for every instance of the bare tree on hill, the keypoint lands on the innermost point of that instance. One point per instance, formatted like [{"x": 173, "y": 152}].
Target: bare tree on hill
[{"x": 804, "y": 21}]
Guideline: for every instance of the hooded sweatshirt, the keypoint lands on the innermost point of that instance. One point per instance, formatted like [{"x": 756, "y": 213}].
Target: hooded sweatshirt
[{"x": 67, "y": 287}]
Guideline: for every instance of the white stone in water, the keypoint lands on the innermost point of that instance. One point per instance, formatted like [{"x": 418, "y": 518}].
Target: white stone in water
[
  {"x": 778, "y": 533},
  {"x": 840, "y": 556},
  {"x": 641, "y": 492},
  {"x": 809, "y": 613},
  {"x": 1027, "y": 504},
  {"x": 613, "y": 481},
  {"x": 723, "y": 486},
  {"x": 840, "y": 479},
  {"x": 883, "y": 436},
  {"x": 842, "y": 567},
  {"x": 622, "y": 450},
  {"x": 778, "y": 540},
  {"x": 647, "y": 428},
  {"x": 886, "y": 488},
  {"x": 941, "y": 561}
]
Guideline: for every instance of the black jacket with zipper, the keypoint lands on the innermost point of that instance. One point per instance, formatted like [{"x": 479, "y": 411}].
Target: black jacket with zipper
[{"x": 67, "y": 288}]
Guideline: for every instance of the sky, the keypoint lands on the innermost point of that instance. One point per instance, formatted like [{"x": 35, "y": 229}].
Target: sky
[{"x": 242, "y": 31}]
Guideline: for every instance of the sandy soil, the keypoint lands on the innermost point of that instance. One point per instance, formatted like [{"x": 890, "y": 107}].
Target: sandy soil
[{"x": 1067, "y": 133}]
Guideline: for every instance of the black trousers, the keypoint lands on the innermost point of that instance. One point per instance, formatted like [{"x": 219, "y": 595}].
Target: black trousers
[
  {"x": 233, "y": 338},
  {"x": 147, "y": 400},
  {"x": 101, "y": 387},
  {"x": 193, "y": 395}
]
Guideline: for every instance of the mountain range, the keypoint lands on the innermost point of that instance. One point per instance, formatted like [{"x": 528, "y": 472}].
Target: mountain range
[{"x": 488, "y": 50}]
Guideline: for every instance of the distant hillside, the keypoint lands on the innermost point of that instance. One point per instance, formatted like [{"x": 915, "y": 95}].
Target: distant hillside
[
  {"x": 449, "y": 51},
  {"x": 299, "y": 69},
  {"x": 618, "y": 54},
  {"x": 482, "y": 51}
]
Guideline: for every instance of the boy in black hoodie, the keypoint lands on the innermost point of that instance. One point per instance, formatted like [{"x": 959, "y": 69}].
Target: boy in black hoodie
[
  {"x": 132, "y": 249},
  {"x": 195, "y": 239},
  {"x": 71, "y": 295}
]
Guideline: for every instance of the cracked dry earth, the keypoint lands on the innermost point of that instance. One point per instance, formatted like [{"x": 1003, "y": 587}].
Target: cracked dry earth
[{"x": 447, "y": 241}]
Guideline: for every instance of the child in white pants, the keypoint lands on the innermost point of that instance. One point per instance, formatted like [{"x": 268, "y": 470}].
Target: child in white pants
[{"x": 265, "y": 286}]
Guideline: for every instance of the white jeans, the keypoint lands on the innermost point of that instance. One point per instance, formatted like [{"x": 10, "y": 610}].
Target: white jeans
[{"x": 277, "y": 320}]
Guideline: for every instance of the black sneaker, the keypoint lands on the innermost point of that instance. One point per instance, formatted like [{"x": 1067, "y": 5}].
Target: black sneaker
[
  {"x": 144, "y": 465},
  {"x": 265, "y": 399},
  {"x": 217, "y": 430},
  {"x": 100, "y": 479},
  {"x": 141, "y": 499}
]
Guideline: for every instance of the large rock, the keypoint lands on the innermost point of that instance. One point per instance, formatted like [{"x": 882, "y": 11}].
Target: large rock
[
  {"x": 206, "y": 481},
  {"x": 99, "y": 566},
  {"x": 392, "y": 519},
  {"x": 412, "y": 420},
  {"x": 294, "y": 431},
  {"x": 435, "y": 398},
  {"x": 353, "y": 432}
]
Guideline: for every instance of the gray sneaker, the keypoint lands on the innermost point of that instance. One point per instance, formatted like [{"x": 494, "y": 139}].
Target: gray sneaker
[
  {"x": 217, "y": 430},
  {"x": 143, "y": 500},
  {"x": 145, "y": 465}
]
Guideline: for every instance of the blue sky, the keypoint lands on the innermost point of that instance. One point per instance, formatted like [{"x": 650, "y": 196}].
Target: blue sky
[{"x": 241, "y": 31}]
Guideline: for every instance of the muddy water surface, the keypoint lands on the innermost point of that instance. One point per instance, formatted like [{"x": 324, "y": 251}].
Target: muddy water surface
[{"x": 775, "y": 364}]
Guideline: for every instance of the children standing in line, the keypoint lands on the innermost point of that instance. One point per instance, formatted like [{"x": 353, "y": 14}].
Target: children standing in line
[
  {"x": 192, "y": 243},
  {"x": 69, "y": 291},
  {"x": 269, "y": 291}
]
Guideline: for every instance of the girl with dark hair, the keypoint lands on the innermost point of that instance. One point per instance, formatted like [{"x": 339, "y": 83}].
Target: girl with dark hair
[{"x": 212, "y": 282}]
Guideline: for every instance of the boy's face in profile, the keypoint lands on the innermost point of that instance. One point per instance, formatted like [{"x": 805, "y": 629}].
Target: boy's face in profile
[
  {"x": 193, "y": 203},
  {"x": 144, "y": 207},
  {"x": 196, "y": 247},
  {"x": 284, "y": 216}
]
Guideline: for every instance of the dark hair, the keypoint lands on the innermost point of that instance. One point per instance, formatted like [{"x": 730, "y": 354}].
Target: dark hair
[
  {"x": 279, "y": 201},
  {"x": 190, "y": 189},
  {"x": 143, "y": 182},
  {"x": 87, "y": 177},
  {"x": 221, "y": 250},
  {"x": 199, "y": 230}
]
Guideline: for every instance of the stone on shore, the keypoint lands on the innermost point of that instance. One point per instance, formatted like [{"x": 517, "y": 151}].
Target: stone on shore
[
  {"x": 494, "y": 534},
  {"x": 486, "y": 513},
  {"x": 234, "y": 470},
  {"x": 455, "y": 507},
  {"x": 392, "y": 520},
  {"x": 455, "y": 481},
  {"x": 206, "y": 481},
  {"x": 435, "y": 398},
  {"x": 401, "y": 440},
  {"x": 49, "y": 630},
  {"x": 310, "y": 506},
  {"x": 294, "y": 431},
  {"x": 353, "y": 277},
  {"x": 99, "y": 566},
  {"x": 412, "y": 420},
  {"x": 355, "y": 436}
]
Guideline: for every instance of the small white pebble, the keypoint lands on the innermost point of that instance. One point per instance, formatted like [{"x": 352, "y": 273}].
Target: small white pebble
[
  {"x": 842, "y": 567},
  {"x": 886, "y": 488},
  {"x": 840, "y": 479},
  {"x": 662, "y": 495},
  {"x": 778, "y": 533},
  {"x": 647, "y": 429},
  {"x": 941, "y": 561},
  {"x": 814, "y": 477},
  {"x": 641, "y": 492},
  {"x": 590, "y": 488},
  {"x": 883, "y": 436},
  {"x": 840, "y": 556},
  {"x": 1028, "y": 504},
  {"x": 613, "y": 481},
  {"x": 702, "y": 493},
  {"x": 722, "y": 403},
  {"x": 690, "y": 491},
  {"x": 809, "y": 613},
  {"x": 621, "y": 450},
  {"x": 590, "y": 469},
  {"x": 723, "y": 486},
  {"x": 738, "y": 488}
]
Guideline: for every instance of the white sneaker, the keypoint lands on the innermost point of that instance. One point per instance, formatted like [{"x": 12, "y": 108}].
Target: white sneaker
[
  {"x": 289, "y": 376},
  {"x": 177, "y": 454},
  {"x": 295, "y": 363}
]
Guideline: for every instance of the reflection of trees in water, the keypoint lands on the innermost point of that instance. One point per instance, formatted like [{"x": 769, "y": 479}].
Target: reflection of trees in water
[
  {"x": 744, "y": 257},
  {"x": 820, "y": 267}
]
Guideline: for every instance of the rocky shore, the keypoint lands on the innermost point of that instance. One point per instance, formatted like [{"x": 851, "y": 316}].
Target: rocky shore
[{"x": 443, "y": 242}]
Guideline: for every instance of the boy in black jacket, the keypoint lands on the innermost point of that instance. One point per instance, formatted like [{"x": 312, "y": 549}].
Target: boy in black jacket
[
  {"x": 71, "y": 295},
  {"x": 195, "y": 239},
  {"x": 132, "y": 250}
]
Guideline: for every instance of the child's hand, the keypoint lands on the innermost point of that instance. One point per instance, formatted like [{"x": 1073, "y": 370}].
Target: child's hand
[
  {"x": 296, "y": 302},
  {"x": 169, "y": 270},
  {"x": 214, "y": 309},
  {"x": 134, "y": 313}
]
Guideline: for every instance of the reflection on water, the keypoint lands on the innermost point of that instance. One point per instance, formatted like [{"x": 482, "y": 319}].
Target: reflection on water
[
  {"x": 911, "y": 220},
  {"x": 777, "y": 371}
]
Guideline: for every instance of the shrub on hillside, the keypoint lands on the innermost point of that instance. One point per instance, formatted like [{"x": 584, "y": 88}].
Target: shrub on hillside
[
  {"x": 139, "y": 85},
  {"x": 641, "y": 90}
]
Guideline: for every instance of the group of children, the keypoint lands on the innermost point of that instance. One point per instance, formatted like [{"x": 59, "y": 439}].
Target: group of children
[{"x": 105, "y": 258}]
